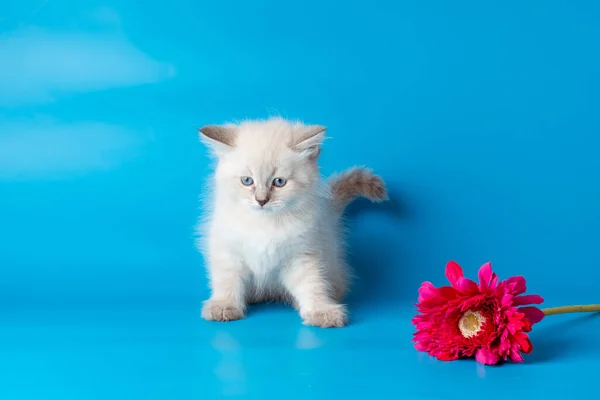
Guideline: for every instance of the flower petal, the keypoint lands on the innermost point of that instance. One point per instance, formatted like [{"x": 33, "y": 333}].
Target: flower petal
[
  {"x": 445, "y": 356},
  {"x": 467, "y": 286},
  {"x": 515, "y": 356},
  {"x": 486, "y": 356},
  {"x": 448, "y": 292},
  {"x": 517, "y": 284},
  {"x": 506, "y": 300},
  {"x": 427, "y": 291},
  {"x": 533, "y": 314},
  {"x": 528, "y": 299},
  {"x": 485, "y": 276},
  {"x": 453, "y": 272},
  {"x": 523, "y": 342},
  {"x": 420, "y": 346},
  {"x": 494, "y": 282}
]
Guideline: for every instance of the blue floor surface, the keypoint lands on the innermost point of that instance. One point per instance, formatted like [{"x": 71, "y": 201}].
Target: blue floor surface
[{"x": 167, "y": 352}]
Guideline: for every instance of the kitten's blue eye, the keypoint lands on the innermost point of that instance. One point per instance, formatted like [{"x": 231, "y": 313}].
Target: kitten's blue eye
[
  {"x": 247, "y": 181},
  {"x": 279, "y": 182}
]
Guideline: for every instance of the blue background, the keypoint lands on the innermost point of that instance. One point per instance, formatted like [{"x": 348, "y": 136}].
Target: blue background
[{"x": 481, "y": 116}]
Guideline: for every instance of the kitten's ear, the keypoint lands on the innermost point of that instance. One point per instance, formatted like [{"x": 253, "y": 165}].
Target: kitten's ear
[
  {"x": 220, "y": 138},
  {"x": 308, "y": 140}
]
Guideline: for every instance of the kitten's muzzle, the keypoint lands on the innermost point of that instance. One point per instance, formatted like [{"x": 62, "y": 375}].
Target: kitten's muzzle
[
  {"x": 262, "y": 196},
  {"x": 262, "y": 202}
]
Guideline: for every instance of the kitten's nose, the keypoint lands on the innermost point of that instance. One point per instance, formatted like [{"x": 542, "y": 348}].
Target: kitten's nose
[{"x": 262, "y": 202}]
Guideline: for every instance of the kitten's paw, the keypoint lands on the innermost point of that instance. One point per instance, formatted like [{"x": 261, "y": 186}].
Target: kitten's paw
[
  {"x": 222, "y": 311},
  {"x": 330, "y": 316}
]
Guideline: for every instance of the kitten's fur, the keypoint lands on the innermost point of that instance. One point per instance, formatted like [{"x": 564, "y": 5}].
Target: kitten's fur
[{"x": 291, "y": 248}]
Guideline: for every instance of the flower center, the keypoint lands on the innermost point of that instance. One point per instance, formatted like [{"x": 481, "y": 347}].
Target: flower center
[{"x": 470, "y": 323}]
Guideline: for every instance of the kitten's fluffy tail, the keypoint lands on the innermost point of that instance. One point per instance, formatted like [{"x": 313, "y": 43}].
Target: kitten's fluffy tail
[{"x": 356, "y": 182}]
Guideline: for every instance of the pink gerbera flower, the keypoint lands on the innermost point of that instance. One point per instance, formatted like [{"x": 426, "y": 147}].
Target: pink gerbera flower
[{"x": 487, "y": 321}]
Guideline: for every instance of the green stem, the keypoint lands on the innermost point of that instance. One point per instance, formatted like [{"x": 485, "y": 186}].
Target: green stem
[{"x": 571, "y": 309}]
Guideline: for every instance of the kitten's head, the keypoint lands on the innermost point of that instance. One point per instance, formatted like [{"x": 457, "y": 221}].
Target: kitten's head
[{"x": 267, "y": 166}]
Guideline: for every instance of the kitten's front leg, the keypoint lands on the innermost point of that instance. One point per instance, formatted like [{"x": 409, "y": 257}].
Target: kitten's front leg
[
  {"x": 228, "y": 277},
  {"x": 305, "y": 281}
]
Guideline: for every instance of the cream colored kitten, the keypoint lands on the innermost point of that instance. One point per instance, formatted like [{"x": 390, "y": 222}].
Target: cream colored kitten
[{"x": 274, "y": 233}]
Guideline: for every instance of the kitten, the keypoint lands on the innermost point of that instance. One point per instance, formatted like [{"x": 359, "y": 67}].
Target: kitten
[{"x": 274, "y": 233}]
